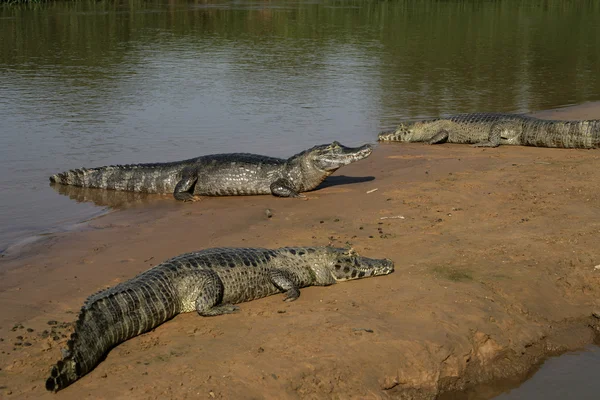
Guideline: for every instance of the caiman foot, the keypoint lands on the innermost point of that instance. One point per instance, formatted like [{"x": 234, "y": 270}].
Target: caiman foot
[
  {"x": 486, "y": 144},
  {"x": 291, "y": 294},
  {"x": 283, "y": 188},
  {"x": 219, "y": 310},
  {"x": 185, "y": 197}
]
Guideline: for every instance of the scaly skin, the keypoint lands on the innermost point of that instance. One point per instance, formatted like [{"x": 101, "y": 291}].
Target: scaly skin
[
  {"x": 492, "y": 130},
  {"x": 208, "y": 281},
  {"x": 222, "y": 174}
]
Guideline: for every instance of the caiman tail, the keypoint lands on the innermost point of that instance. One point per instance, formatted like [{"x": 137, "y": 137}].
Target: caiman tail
[
  {"x": 562, "y": 134},
  {"x": 148, "y": 178},
  {"x": 109, "y": 318},
  {"x": 82, "y": 177}
]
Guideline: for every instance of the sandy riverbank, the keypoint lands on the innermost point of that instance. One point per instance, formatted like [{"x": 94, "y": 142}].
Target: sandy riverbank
[{"x": 494, "y": 256}]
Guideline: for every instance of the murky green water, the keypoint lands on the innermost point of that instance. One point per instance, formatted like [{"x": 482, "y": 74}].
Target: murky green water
[{"x": 88, "y": 83}]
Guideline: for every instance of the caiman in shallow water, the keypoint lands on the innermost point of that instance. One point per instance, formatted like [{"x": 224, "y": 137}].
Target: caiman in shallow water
[
  {"x": 222, "y": 174},
  {"x": 208, "y": 282},
  {"x": 492, "y": 130}
]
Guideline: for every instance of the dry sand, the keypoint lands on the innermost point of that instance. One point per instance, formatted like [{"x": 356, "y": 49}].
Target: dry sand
[{"x": 494, "y": 253}]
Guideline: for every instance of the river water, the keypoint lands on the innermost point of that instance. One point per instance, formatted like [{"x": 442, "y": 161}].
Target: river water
[
  {"x": 573, "y": 375},
  {"x": 89, "y": 83}
]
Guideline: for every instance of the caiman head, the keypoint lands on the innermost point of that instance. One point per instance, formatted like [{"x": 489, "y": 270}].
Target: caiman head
[
  {"x": 344, "y": 265},
  {"x": 405, "y": 132},
  {"x": 329, "y": 157}
]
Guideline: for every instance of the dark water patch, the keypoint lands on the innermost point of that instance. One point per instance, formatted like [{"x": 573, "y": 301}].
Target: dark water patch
[{"x": 573, "y": 375}]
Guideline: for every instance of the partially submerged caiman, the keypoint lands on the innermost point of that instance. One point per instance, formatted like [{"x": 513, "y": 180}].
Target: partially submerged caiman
[
  {"x": 492, "y": 130},
  {"x": 222, "y": 174},
  {"x": 208, "y": 282}
]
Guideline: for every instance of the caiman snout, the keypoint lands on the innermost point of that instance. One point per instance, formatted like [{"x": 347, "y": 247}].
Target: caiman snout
[
  {"x": 335, "y": 155},
  {"x": 356, "y": 267},
  {"x": 359, "y": 153},
  {"x": 366, "y": 149},
  {"x": 356, "y": 153},
  {"x": 387, "y": 135},
  {"x": 383, "y": 266},
  {"x": 387, "y": 267}
]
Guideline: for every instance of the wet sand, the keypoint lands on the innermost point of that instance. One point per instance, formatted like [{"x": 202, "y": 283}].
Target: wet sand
[{"x": 495, "y": 252}]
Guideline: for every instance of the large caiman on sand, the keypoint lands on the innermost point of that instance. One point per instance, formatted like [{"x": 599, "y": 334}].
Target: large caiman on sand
[
  {"x": 209, "y": 282},
  {"x": 222, "y": 174},
  {"x": 492, "y": 130}
]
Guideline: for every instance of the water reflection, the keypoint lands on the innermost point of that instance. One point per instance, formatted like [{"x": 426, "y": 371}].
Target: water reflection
[{"x": 104, "y": 198}]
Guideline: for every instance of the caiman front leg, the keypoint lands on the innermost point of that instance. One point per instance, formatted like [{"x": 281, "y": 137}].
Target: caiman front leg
[
  {"x": 283, "y": 188},
  {"x": 182, "y": 190},
  {"x": 284, "y": 282},
  {"x": 440, "y": 137}
]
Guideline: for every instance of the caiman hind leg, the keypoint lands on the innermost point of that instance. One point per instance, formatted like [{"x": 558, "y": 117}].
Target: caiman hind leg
[
  {"x": 182, "y": 190},
  {"x": 283, "y": 188},
  {"x": 440, "y": 137},
  {"x": 210, "y": 296},
  {"x": 495, "y": 135},
  {"x": 284, "y": 282}
]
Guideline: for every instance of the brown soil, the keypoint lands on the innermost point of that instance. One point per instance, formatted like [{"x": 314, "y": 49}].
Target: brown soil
[{"x": 495, "y": 252}]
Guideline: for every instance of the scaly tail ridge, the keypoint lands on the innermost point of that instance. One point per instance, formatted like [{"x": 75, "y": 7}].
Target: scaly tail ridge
[
  {"x": 64, "y": 373},
  {"x": 148, "y": 178},
  {"x": 110, "y": 317},
  {"x": 69, "y": 369},
  {"x": 75, "y": 177}
]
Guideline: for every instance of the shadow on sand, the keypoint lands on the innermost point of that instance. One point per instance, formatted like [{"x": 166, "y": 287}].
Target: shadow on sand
[{"x": 343, "y": 180}]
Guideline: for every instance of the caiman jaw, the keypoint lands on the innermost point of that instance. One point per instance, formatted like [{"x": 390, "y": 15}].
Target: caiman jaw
[
  {"x": 349, "y": 155},
  {"x": 387, "y": 136},
  {"x": 356, "y": 267},
  {"x": 362, "y": 152}
]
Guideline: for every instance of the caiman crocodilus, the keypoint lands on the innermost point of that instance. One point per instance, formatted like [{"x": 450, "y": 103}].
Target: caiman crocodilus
[
  {"x": 222, "y": 174},
  {"x": 492, "y": 130},
  {"x": 209, "y": 282}
]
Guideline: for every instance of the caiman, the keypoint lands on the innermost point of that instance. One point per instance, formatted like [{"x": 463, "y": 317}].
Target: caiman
[
  {"x": 209, "y": 282},
  {"x": 222, "y": 174},
  {"x": 492, "y": 130}
]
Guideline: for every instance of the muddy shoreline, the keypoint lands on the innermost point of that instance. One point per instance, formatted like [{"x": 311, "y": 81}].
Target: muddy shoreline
[{"x": 495, "y": 252}]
